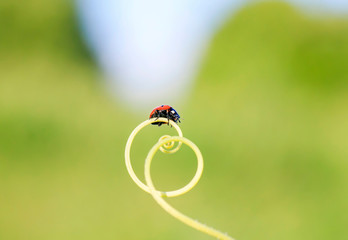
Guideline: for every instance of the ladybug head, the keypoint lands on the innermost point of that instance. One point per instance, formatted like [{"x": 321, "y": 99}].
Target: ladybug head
[{"x": 174, "y": 115}]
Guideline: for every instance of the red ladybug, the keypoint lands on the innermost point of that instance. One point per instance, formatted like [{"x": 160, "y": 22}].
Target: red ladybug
[{"x": 164, "y": 111}]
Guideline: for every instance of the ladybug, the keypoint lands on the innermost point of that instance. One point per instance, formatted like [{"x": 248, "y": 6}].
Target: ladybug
[{"x": 164, "y": 111}]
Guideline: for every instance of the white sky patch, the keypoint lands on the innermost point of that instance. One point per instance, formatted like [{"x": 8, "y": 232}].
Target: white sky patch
[{"x": 150, "y": 50}]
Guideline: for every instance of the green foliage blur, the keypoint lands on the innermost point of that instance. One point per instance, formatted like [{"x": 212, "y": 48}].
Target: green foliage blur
[{"x": 269, "y": 113}]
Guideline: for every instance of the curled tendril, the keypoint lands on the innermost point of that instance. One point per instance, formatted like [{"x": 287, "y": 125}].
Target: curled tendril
[{"x": 165, "y": 144}]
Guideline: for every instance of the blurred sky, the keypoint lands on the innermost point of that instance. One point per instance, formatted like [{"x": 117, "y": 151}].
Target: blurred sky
[{"x": 151, "y": 50}]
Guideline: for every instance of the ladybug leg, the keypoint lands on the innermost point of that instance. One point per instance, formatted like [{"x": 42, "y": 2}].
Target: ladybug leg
[
  {"x": 157, "y": 114},
  {"x": 168, "y": 117}
]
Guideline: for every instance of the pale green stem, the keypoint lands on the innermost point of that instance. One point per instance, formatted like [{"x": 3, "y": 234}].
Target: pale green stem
[{"x": 168, "y": 142}]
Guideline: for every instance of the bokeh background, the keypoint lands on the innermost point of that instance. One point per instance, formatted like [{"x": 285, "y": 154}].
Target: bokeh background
[{"x": 266, "y": 103}]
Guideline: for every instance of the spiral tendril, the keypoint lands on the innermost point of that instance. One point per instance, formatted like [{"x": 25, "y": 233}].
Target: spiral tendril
[{"x": 165, "y": 144}]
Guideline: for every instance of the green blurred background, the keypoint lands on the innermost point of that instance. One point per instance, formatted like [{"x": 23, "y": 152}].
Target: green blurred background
[{"x": 269, "y": 113}]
